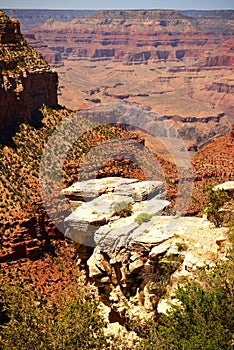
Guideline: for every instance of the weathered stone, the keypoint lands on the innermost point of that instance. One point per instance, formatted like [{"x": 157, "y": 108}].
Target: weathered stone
[
  {"x": 83, "y": 236},
  {"x": 152, "y": 206},
  {"x": 151, "y": 233},
  {"x": 190, "y": 262},
  {"x": 85, "y": 220},
  {"x": 139, "y": 191},
  {"x": 87, "y": 190},
  {"x": 82, "y": 223},
  {"x": 134, "y": 256},
  {"x": 95, "y": 264},
  {"x": 143, "y": 190},
  {"x": 135, "y": 265},
  {"x": 226, "y": 186},
  {"x": 114, "y": 235},
  {"x": 159, "y": 250},
  {"x": 127, "y": 261}
]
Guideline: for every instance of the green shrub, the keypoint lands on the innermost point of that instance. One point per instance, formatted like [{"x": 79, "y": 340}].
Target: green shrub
[
  {"x": 181, "y": 246},
  {"x": 29, "y": 321},
  {"x": 204, "y": 320},
  {"x": 143, "y": 217},
  {"x": 123, "y": 209},
  {"x": 215, "y": 200}
]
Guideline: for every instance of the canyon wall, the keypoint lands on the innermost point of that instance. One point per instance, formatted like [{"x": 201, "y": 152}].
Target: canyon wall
[
  {"x": 26, "y": 80},
  {"x": 26, "y": 84},
  {"x": 30, "y": 18},
  {"x": 132, "y": 36}
]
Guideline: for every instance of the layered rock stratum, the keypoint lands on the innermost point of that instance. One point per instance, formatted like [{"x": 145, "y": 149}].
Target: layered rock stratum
[
  {"x": 26, "y": 80},
  {"x": 26, "y": 234}
]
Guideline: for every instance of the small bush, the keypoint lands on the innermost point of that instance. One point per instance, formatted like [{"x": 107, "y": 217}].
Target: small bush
[
  {"x": 203, "y": 317},
  {"x": 216, "y": 199},
  {"x": 204, "y": 320},
  {"x": 143, "y": 217},
  {"x": 31, "y": 320},
  {"x": 123, "y": 209},
  {"x": 181, "y": 246}
]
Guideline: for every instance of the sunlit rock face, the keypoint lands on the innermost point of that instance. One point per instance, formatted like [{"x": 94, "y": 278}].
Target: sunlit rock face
[{"x": 26, "y": 80}]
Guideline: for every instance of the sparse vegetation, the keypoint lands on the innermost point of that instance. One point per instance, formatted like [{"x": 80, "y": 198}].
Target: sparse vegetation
[
  {"x": 17, "y": 55},
  {"x": 32, "y": 319},
  {"x": 202, "y": 317},
  {"x": 203, "y": 307},
  {"x": 20, "y": 162}
]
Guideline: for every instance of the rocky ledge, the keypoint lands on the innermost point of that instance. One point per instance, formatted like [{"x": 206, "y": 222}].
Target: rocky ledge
[{"x": 132, "y": 246}]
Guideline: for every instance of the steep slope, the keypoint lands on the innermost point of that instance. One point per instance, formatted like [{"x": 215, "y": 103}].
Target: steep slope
[
  {"x": 26, "y": 229},
  {"x": 26, "y": 80},
  {"x": 212, "y": 165}
]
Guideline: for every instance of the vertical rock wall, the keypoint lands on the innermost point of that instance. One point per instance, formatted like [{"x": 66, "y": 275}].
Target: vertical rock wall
[{"x": 26, "y": 80}]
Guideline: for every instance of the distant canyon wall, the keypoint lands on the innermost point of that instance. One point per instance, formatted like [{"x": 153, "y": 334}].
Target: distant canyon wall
[
  {"x": 178, "y": 45},
  {"x": 136, "y": 37}
]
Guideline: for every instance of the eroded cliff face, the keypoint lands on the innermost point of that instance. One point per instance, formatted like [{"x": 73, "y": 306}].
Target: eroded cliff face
[
  {"x": 26, "y": 80},
  {"x": 30, "y": 18}
]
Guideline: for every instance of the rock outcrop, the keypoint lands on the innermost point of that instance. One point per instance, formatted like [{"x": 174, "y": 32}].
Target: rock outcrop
[
  {"x": 26, "y": 80},
  {"x": 226, "y": 212},
  {"x": 30, "y": 235},
  {"x": 132, "y": 252}
]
